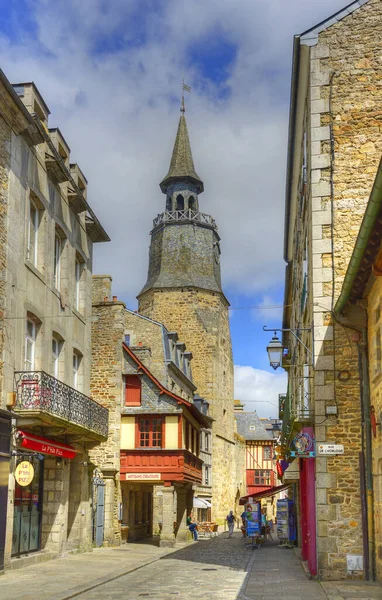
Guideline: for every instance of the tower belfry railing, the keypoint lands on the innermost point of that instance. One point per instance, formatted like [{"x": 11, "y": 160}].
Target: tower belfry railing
[{"x": 184, "y": 215}]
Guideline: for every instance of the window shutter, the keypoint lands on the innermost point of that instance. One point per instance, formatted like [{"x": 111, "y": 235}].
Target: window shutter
[{"x": 133, "y": 390}]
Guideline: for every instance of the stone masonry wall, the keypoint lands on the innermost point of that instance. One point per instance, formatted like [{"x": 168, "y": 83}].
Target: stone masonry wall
[
  {"x": 201, "y": 320},
  {"x": 345, "y": 70},
  {"x": 5, "y": 135},
  {"x": 106, "y": 388}
]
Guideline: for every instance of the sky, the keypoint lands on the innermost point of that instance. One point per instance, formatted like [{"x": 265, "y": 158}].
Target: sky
[{"x": 111, "y": 73}]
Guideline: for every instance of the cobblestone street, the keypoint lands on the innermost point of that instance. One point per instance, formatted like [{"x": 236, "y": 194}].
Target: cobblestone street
[
  {"x": 211, "y": 569},
  {"x": 215, "y": 569}
]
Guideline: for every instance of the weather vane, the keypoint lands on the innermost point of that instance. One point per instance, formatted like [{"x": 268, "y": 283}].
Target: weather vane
[{"x": 185, "y": 88}]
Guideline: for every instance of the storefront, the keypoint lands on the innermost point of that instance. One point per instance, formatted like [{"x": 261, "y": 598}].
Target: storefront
[
  {"x": 35, "y": 489},
  {"x": 202, "y": 508}
]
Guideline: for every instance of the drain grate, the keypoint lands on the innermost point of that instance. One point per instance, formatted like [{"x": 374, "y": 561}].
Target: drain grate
[{"x": 209, "y": 569}]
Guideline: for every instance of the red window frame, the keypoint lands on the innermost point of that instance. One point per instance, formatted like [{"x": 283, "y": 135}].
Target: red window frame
[
  {"x": 133, "y": 390},
  {"x": 149, "y": 432}
]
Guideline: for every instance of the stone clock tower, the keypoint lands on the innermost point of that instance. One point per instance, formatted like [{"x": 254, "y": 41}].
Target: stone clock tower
[{"x": 183, "y": 291}]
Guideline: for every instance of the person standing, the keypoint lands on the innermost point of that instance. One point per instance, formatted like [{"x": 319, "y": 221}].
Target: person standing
[
  {"x": 193, "y": 527},
  {"x": 231, "y": 522}
]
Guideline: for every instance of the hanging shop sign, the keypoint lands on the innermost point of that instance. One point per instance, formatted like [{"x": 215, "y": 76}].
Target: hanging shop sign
[
  {"x": 303, "y": 446},
  {"x": 24, "y": 473},
  {"x": 330, "y": 449},
  {"x": 45, "y": 446}
]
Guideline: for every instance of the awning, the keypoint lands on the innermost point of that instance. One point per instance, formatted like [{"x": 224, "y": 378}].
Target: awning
[
  {"x": 45, "y": 446},
  {"x": 265, "y": 493},
  {"x": 201, "y": 503}
]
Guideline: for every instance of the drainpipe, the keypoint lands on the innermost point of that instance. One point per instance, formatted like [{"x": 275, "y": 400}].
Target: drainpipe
[{"x": 367, "y": 450}]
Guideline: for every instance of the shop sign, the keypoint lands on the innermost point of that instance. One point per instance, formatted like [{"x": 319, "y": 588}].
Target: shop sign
[
  {"x": 24, "y": 473},
  {"x": 303, "y": 446},
  {"x": 330, "y": 449},
  {"x": 142, "y": 476},
  {"x": 45, "y": 446}
]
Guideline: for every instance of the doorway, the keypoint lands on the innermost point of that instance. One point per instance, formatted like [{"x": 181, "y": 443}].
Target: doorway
[{"x": 27, "y": 511}]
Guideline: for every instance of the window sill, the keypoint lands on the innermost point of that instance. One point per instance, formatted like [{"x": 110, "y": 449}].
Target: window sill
[
  {"x": 133, "y": 404},
  {"x": 79, "y": 315},
  {"x": 35, "y": 270}
]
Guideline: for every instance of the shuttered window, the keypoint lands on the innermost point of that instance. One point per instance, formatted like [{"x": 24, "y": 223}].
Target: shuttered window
[{"x": 133, "y": 385}]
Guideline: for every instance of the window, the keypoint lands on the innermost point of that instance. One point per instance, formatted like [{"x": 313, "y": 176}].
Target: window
[
  {"x": 33, "y": 225},
  {"x": 76, "y": 368},
  {"x": 127, "y": 339},
  {"x": 133, "y": 388},
  {"x": 77, "y": 277},
  {"x": 262, "y": 477},
  {"x": 56, "y": 349},
  {"x": 150, "y": 432},
  {"x": 206, "y": 442},
  {"x": 191, "y": 203},
  {"x": 57, "y": 260},
  {"x": 179, "y": 202},
  {"x": 206, "y": 475},
  {"x": 267, "y": 453},
  {"x": 30, "y": 345}
]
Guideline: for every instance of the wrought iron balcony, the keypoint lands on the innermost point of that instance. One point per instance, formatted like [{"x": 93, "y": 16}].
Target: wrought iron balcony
[
  {"x": 192, "y": 216},
  {"x": 41, "y": 396}
]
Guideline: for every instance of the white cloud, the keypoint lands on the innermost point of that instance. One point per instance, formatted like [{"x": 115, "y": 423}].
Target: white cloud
[
  {"x": 116, "y": 110},
  {"x": 259, "y": 390}
]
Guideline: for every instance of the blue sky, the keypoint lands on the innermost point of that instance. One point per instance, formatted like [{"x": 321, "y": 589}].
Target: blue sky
[{"x": 111, "y": 74}]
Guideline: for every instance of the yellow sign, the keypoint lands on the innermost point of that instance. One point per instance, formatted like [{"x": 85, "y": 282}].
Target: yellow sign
[{"x": 24, "y": 473}]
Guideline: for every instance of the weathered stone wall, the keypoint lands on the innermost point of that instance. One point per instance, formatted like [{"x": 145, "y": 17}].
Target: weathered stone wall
[
  {"x": 5, "y": 135},
  {"x": 106, "y": 387},
  {"x": 201, "y": 320},
  {"x": 345, "y": 92}
]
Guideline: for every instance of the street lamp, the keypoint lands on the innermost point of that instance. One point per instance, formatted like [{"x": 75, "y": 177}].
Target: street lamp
[
  {"x": 275, "y": 349},
  {"x": 275, "y": 352}
]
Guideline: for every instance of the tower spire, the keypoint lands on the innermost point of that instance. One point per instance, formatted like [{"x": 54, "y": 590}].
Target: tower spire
[{"x": 182, "y": 167}]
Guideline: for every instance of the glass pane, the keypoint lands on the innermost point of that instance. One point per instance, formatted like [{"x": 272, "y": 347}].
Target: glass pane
[{"x": 30, "y": 329}]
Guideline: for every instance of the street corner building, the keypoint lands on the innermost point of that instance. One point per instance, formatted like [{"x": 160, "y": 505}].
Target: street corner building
[
  {"x": 151, "y": 463},
  {"x": 335, "y": 146},
  {"x": 48, "y": 420},
  {"x": 184, "y": 292}
]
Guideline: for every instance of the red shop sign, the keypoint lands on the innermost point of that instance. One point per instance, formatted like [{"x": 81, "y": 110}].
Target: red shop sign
[{"x": 45, "y": 446}]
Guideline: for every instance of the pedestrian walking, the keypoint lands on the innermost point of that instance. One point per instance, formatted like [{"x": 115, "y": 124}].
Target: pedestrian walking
[{"x": 231, "y": 522}]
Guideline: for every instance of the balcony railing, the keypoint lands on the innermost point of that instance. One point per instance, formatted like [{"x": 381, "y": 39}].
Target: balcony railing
[
  {"x": 38, "y": 392},
  {"x": 184, "y": 215}
]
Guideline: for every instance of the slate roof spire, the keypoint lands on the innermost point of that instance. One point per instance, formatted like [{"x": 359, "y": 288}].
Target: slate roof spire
[{"x": 182, "y": 165}]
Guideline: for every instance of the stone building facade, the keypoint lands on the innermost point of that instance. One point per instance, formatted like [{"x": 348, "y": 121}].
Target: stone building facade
[
  {"x": 335, "y": 144},
  {"x": 132, "y": 354},
  {"x": 183, "y": 291},
  {"x": 358, "y": 309},
  {"x": 47, "y": 231}
]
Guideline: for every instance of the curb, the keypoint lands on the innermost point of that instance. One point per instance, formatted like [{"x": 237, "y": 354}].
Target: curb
[{"x": 81, "y": 589}]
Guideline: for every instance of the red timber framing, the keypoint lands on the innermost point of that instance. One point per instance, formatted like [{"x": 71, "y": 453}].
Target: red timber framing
[
  {"x": 260, "y": 474},
  {"x": 172, "y": 465}
]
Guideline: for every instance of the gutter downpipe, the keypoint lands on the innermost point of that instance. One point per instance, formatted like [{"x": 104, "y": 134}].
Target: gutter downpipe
[
  {"x": 366, "y": 455},
  {"x": 365, "y": 399}
]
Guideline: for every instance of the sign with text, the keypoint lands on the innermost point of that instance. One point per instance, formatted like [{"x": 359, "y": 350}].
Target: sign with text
[
  {"x": 142, "y": 476},
  {"x": 330, "y": 449},
  {"x": 24, "y": 473}
]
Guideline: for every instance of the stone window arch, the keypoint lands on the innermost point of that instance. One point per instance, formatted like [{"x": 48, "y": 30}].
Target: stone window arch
[
  {"x": 179, "y": 202},
  {"x": 192, "y": 203}
]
